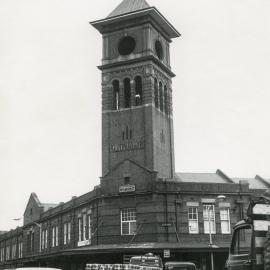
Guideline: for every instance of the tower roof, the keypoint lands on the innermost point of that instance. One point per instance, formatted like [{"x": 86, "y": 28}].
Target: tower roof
[
  {"x": 133, "y": 9},
  {"x": 127, "y": 6}
]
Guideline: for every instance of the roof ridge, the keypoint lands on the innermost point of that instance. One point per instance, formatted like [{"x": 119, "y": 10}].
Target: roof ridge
[{"x": 127, "y": 6}]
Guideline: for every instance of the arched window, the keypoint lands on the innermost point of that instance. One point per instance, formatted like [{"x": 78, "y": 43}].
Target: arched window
[
  {"x": 156, "y": 93},
  {"x": 138, "y": 90},
  {"x": 160, "y": 96},
  {"x": 127, "y": 92},
  {"x": 166, "y": 100},
  {"x": 116, "y": 96}
]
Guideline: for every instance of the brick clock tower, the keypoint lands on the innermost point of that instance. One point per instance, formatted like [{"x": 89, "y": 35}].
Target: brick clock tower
[{"x": 137, "y": 123}]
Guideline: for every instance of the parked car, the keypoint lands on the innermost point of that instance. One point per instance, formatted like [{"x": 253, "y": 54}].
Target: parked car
[{"x": 180, "y": 266}]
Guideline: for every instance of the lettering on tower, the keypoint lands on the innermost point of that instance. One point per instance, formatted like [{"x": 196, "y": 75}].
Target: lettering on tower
[{"x": 128, "y": 146}]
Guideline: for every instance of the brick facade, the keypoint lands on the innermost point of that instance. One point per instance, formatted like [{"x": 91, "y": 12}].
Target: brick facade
[
  {"x": 161, "y": 219},
  {"x": 141, "y": 204}
]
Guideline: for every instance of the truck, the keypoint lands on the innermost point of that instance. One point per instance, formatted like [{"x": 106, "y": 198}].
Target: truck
[
  {"x": 250, "y": 244},
  {"x": 148, "y": 261}
]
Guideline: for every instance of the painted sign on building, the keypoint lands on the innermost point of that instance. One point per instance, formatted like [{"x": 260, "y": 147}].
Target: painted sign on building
[{"x": 127, "y": 188}]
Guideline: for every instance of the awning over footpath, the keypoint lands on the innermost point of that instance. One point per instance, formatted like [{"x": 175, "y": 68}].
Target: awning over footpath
[{"x": 136, "y": 247}]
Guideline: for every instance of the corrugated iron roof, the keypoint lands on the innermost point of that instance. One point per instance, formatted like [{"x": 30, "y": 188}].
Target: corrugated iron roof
[
  {"x": 253, "y": 182},
  {"x": 201, "y": 178},
  {"x": 127, "y": 6}
]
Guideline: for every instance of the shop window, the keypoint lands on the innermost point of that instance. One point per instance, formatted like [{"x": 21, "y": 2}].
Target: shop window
[
  {"x": 156, "y": 93},
  {"x": 161, "y": 105},
  {"x": 225, "y": 220},
  {"x": 209, "y": 221},
  {"x": 127, "y": 92},
  {"x": 138, "y": 90},
  {"x": 128, "y": 221},
  {"x": 193, "y": 226},
  {"x": 116, "y": 95}
]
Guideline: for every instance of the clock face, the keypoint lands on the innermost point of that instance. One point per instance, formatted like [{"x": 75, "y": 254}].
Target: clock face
[
  {"x": 159, "y": 50},
  {"x": 126, "y": 45}
]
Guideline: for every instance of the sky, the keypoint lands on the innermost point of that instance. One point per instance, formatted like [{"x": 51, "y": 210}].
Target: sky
[{"x": 50, "y": 94}]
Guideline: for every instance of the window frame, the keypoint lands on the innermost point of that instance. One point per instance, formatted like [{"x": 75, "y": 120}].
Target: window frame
[
  {"x": 196, "y": 220},
  {"x": 225, "y": 221},
  {"x": 129, "y": 222},
  {"x": 212, "y": 218}
]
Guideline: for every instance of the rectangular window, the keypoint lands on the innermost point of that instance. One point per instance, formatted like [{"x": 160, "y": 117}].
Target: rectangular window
[
  {"x": 80, "y": 229},
  {"x": 68, "y": 232},
  {"x": 193, "y": 226},
  {"x": 56, "y": 236},
  {"x": 20, "y": 250},
  {"x": 225, "y": 220},
  {"x": 53, "y": 236},
  {"x": 209, "y": 218},
  {"x": 65, "y": 233},
  {"x": 43, "y": 239},
  {"x": 84, "y": 227},
  {"x": 128, "y": 221},
  {"x": 7, "y": 253},
  {"x": 30, "y": 241},
  {"x": 89, "y": 227},
  {"x": 2, "y": 254},
  {"x": 46, "y": 239},
  {"x": 14, "y": 249}
]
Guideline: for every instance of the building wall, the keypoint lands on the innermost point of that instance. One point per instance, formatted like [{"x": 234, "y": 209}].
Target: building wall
[{"x": 161, "y": 217}]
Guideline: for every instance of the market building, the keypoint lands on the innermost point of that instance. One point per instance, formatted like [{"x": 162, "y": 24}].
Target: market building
[{"x": 141, "y": 205}]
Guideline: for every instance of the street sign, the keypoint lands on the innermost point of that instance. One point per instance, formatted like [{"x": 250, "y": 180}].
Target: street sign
[{"x": 167, "y": 253}]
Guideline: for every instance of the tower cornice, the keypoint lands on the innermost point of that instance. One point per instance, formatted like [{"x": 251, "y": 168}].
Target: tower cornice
[
  {"x": 139, "y": 60},
  {"x": 152, "y": 12}
]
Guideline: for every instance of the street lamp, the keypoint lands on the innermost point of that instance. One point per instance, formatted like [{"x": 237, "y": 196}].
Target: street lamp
[
  {"x": 218, "y": 198},
  {"x": 37, "y": 224}
]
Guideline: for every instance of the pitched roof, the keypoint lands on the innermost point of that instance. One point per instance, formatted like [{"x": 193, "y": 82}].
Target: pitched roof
[
  {"x": 47, "y": 206},
  {"x": 254, "y": 183},
  {"x": 127, "y": 6},
  {"x": 201, "y": 178}
]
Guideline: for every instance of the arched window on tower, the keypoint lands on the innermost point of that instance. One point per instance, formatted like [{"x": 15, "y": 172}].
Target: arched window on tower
[
  {"x": 160, "y": 97},
  {"x": 127, "y": 92},
  {"x": 138, "y": 90},
  {"x": 116, "y": 95},
  {"x": 156, "y": 93},
  {"x": 166, "y": 100}
]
